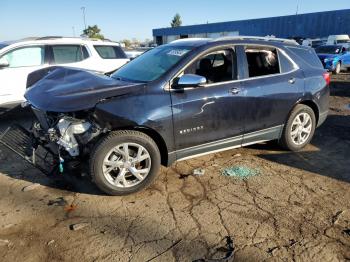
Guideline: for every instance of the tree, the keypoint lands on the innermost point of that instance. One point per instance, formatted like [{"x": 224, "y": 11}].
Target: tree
[
  {"x": 176, "y": 21},
  {"x": 126, "y": 42},
  {"x": 93, "y": 32}
]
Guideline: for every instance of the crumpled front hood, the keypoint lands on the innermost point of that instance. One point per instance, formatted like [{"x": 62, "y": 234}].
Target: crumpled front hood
[
  {"x": 324, "y": 56},
  {"x": 68, "y": 90}
]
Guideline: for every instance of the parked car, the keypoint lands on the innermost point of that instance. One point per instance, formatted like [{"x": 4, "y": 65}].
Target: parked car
[
  {"x": 18, "y": 59},
  {"x": 175, "y": 102},
  {"x": 334, "y": 57},
  {"x": 313, "y": 42},
  {"x": 132, "y": 54},
  {"x": 338, "y": 39}
]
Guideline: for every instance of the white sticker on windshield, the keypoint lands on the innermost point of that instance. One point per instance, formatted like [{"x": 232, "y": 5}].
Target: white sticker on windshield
[{"x": 177, "y": 52}]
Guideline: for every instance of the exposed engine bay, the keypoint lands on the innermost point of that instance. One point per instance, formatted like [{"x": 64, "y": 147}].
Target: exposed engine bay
[
  {"x": 55, "y": 139},
  {"x": 66, "y": 133}
]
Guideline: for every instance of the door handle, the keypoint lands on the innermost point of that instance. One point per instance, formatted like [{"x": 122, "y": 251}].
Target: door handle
[
  {"x": 292, "y": 81},
  {"x": 235, "y": 90}
]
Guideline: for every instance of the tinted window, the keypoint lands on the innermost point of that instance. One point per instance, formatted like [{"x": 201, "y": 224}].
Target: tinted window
[
  {"x": 285, "y": 63},
  {"x": 152, "y": 64},
  {"x": 216, "y": 67},
  {"x": 262, "y": 61},
  {"x": 110, "y": 52},
  {"x": 328, "y": 49},
  {"x": 308, "y": 55},
  {"x": 64, "y": 54},
  {"x": 26, "y": 56}
]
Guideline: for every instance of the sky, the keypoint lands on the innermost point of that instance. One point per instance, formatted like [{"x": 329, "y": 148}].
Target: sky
[{"x": 127, "y": 19}]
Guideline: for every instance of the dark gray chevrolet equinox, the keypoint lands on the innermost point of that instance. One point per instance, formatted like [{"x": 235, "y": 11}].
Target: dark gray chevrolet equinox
[{"x": 181, "y": 100}]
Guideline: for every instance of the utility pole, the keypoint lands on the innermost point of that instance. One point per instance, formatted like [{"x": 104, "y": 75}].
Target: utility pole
[
  {"x": 73, "y": 29},
  {"x": 297, "y": 12},
  {"x": 83, "y": 9}
]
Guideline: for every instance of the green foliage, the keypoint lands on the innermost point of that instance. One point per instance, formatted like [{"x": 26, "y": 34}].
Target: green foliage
[
  {"x": 126, "y": 42},
  {"x": 176, "y": 21},
  {"x": 93, "y": 32}
]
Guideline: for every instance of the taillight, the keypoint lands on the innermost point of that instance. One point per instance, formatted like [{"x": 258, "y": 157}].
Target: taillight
[{"x": 327, "y": 78}]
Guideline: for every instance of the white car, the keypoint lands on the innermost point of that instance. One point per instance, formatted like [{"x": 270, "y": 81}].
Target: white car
[{"x": 18, "y": 59}]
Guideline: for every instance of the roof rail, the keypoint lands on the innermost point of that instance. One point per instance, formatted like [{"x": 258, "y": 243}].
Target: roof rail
[
  {"x": 70, "y": 37},
  {"x": 266, "y": 38},
  {"x": 48, "y": 37}
]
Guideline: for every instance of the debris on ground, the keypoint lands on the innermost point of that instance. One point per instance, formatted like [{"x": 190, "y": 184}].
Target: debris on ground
[
  {"x": 198, "y": 172},
  {"x": 70, "y": 208},
  {"x": 8, "y": 226},
  {"x": 50, "y": 242},
  {"x": 4, "y": 242},
  {"x": 60, "y": 201},
  {"x": 30, "y": 187},
  {"x": 166, "y": 250},
  {"x": 347, "y": 232},
  {"x": 229, "y": 249},
  {"x": 237, "y": 155},
  {"x": 183, "y": 176},
  {"x": 241, "y": 172},
  {"x": 78, "y": 226}
]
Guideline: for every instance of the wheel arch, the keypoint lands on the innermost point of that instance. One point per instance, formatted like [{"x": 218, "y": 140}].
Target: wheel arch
[
  {"x": 158, "y": 139},
  {"x": 313, "y": 106}
]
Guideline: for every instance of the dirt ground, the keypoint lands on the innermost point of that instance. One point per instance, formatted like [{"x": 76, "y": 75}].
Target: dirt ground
[{"x": 296, "y": 209}]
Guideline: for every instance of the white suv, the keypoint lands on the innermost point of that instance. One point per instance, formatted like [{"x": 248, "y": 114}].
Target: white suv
[{"x": 19, "y": 59}]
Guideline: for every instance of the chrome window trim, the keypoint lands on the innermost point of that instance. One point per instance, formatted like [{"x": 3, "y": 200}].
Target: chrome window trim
[{"x": 167, "y": 86}]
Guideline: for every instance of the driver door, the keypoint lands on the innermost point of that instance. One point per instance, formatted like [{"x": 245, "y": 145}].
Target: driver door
[{"x": 209, "y": 117}]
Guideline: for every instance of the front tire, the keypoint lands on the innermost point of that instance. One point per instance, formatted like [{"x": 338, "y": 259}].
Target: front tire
[
  {"x": 299, "y": 129},
  {"x": 124, "y": 162}
]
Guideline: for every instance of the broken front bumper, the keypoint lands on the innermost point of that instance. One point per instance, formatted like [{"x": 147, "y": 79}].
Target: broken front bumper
[{"x": 21, "y": 141}]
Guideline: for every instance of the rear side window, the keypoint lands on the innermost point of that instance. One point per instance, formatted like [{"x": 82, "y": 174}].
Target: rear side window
[
  {"x": 110, "y": 52},
  {"x": 262, "y": 61},
  {"x": 285, "y": 63},
  {"x": 65, "y": 54},
  {"x": 25, "y": 56},
  {"x": 308, "y": 55}
]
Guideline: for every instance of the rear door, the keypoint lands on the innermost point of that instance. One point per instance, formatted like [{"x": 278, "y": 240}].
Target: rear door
[{"x": 272, "y": 86}]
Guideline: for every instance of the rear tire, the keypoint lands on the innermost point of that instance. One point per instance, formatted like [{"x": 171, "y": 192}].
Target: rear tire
[
  {"x": 299, "y": 129},
  {"x": 124, "y": 162}
]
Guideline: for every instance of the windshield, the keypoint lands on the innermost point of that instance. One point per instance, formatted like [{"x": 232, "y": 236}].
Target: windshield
[
  {"x": 152, "y": 64},
  {"x": 331, "y": 49}
]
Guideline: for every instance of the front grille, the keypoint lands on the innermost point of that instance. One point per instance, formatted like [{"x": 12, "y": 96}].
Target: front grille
[{"x": 20, "y": 141}]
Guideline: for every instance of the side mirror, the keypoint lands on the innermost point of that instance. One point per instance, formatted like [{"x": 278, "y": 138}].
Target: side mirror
[
  {"x": 4, "y": 63},
  {"x": 190, "y": 80}
]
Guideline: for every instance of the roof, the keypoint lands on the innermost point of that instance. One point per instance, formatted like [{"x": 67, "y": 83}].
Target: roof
[
  {"x": 195, "y": 42},
  {"x": 58, "y": 40}
]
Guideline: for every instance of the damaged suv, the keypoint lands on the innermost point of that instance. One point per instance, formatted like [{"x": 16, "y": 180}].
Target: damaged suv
[{"x": 184, "y": 99}]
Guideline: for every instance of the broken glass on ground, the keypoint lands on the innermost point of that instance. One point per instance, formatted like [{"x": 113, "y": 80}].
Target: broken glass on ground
[{"x": 241, "y": 172}]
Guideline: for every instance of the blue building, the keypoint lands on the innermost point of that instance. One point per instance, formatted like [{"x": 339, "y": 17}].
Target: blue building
[{"x": 312, "y": 25}]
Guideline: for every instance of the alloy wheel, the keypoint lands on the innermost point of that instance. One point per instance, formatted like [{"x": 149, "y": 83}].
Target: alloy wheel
[
  {"x": 126, "y": 165},
  {"x": 301, "y": 128}
]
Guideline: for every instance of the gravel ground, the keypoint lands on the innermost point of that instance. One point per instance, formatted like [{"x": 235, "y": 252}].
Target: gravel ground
[{"x": 296, "y": 208}]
